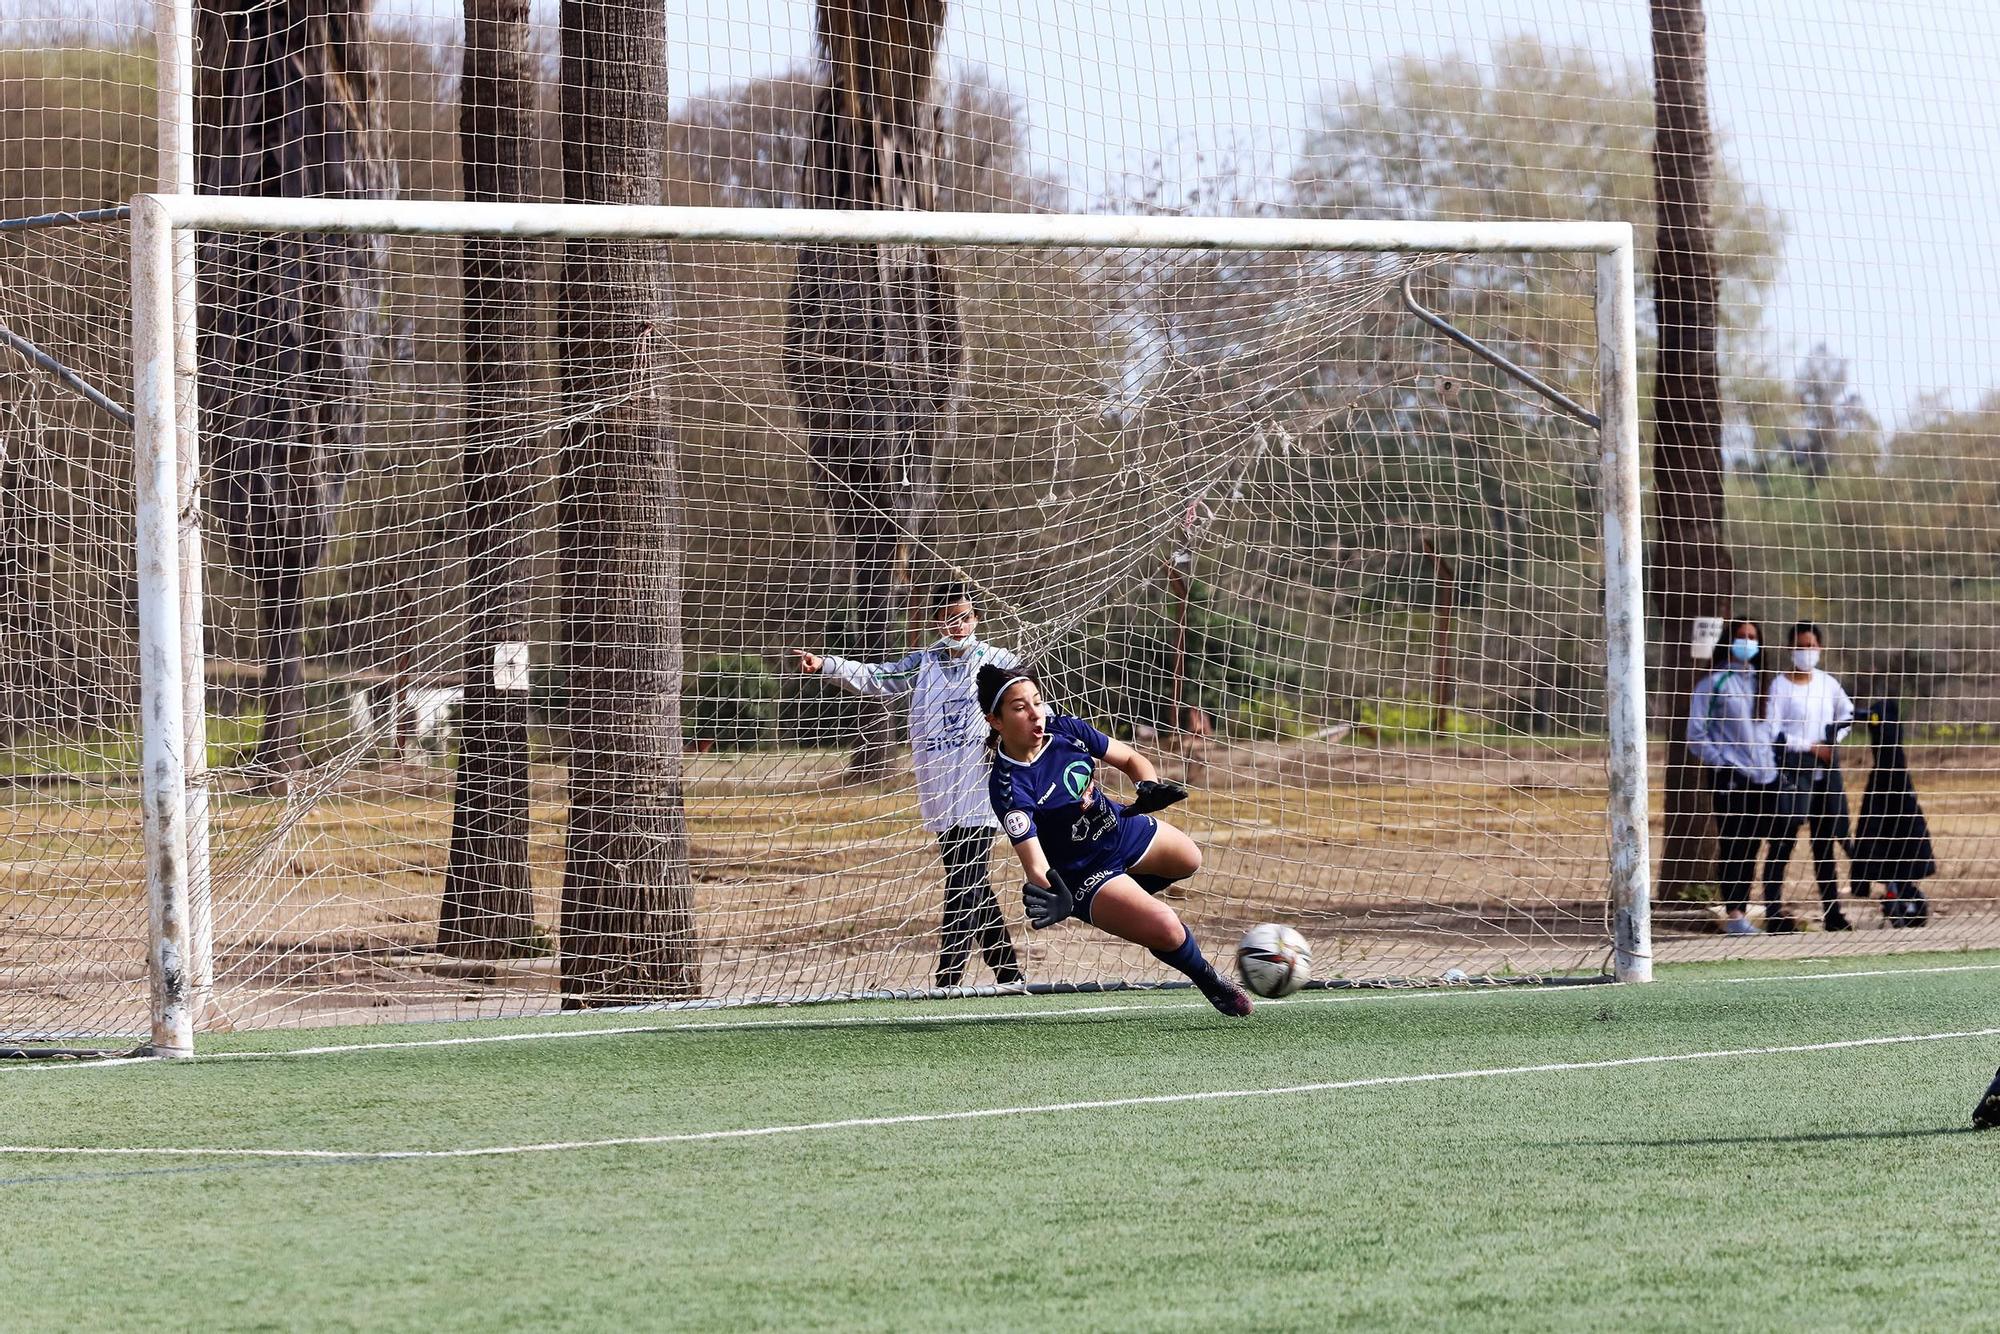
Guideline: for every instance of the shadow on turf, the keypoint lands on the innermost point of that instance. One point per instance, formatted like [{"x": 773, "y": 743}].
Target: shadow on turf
[{"x": 1712, "y": 1141}]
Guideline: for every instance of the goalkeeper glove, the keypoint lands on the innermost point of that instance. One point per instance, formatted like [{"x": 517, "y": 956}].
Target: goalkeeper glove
[
  {"x": 1048, "y": 906},
  {"x": 1154, "y": 796}
]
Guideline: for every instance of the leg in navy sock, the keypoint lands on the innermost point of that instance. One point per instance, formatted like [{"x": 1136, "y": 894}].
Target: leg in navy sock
[{"x": 1188, "y": 959}]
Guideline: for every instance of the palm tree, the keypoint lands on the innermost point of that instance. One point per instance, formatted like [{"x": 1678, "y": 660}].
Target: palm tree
[
  {"x": 1691, "y": 573},
  {"x": 628, "y": 902},
  {"x": 286, "y": 106},
  {"x": 488, "y": 909},
  {"x": 873, "y": 343}
]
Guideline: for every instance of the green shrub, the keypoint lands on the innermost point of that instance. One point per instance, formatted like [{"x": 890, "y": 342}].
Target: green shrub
[{"x": 732, "y": 703}]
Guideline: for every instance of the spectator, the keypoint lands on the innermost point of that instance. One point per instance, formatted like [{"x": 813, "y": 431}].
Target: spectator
[
  {"x": 1728, "y": 736},
  {"x": 948, "y": 742},
  {"x": 1809, "y": 714}
]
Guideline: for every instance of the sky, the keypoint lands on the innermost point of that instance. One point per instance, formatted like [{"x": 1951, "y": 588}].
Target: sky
[{"x": 1870, "y": 124}]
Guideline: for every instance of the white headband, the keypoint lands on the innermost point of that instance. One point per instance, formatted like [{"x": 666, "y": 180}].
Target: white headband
[{"x": 1008, "y": 685}]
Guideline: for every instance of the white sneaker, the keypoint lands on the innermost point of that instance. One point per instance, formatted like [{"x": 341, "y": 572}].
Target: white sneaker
[{"x": 1740, "y": 925}]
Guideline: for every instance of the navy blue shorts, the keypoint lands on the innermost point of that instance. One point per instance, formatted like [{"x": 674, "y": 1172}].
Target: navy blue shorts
[{"x": 1113, "y": 857}]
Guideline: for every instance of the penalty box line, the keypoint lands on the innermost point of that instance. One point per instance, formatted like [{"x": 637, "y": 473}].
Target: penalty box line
[
  {"x": 987, "y": 1113},
  {"x": 998, "y": 1016}
]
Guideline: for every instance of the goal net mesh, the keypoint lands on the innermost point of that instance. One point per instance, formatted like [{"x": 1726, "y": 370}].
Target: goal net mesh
[{"x": 1243, "y": 509}]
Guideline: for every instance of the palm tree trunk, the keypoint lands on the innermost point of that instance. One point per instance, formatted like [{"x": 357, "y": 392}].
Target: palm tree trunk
[
  {"x": 488, "y": 907},
  {"x": 1692, "y": 574},
  {"x": 628, "y": 931},
  {"x": 873, "y": 343}
]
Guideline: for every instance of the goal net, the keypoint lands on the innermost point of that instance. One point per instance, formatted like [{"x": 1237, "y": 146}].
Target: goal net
[{"x": 501, "y": 547}]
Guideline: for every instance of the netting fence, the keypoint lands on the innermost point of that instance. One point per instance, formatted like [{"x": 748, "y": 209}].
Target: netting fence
[{"x": 1251, "y": 512}]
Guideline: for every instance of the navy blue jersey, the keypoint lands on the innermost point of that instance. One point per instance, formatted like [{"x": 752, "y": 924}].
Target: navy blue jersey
[{"x": 1054, "y": 797}]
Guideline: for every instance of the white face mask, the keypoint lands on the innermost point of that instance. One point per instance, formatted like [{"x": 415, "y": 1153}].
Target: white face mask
[
  {"x": 955, "y": 644},
  {"x": 1805, "y": 659}
]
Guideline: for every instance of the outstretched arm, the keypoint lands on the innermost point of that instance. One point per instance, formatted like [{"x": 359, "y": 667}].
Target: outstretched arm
[
  {"x": 1150, "y": 794},
  {"x": 1046, "y": 896},
  {"x": 1033, "y": 860},
  {"x": 1130, "y": 762},
  {"x": 884, "y": 680}
]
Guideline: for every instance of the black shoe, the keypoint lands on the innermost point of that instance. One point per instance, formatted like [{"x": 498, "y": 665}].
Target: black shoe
[
  {"x": 1836, "y": 920},
  {"x": 1230, "y": 1000},
  {"x": 1008, "y": 977},
  {"x": 1986, "y": 1116},
  {"x": 1779, "y": 922}
]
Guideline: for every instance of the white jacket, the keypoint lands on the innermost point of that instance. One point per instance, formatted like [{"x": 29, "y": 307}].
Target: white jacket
[
  {"x": 1804, "y": 712},
  {"x": 947, "y": 731}
]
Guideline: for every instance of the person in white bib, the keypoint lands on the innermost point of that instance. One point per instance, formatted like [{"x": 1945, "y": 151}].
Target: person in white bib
[
  {"x": 1808, "y": 714},
  {"x": 948, "y": 751}
]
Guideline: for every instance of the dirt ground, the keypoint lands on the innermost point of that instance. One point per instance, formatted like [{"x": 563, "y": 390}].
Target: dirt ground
[{"x": 1396, "y": 863}]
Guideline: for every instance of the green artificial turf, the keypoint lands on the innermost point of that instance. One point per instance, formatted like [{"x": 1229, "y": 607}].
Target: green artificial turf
[{"x": 1813, "y": 1189}]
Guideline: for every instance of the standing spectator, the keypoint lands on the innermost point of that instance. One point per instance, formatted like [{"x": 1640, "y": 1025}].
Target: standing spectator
[
  {"x": 1809, "y": 714},
  {"x": 948, "y": 746},
  {"x": 1728, "y": 736}
]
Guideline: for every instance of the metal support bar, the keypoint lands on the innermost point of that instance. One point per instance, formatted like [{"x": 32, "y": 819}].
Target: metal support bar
[
  {"x": 41, "y": 220},
  {"x": 69, "y": 379},
  {"x": 174, "y": 28},
  {"x": 163, "y": 770},
  {"x": 1479, "y": 349},
  {"x": 1624, "y": 619}
]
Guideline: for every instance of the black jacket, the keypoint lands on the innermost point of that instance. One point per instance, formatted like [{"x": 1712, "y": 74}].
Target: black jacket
[{"x": 1892, "y": 840}]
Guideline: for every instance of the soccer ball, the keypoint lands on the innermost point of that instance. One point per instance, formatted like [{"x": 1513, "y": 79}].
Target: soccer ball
[{"x": 1274, "y": 960}]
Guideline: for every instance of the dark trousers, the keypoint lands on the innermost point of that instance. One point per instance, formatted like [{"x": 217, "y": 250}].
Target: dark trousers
[
  {"x": 1824, "y": 826},
  {"x": 1742, "y": 821},
  {"x": 971, "y": 913}
]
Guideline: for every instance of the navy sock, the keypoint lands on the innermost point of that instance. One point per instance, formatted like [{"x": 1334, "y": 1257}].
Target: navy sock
[{"x": 1187, "y": 958}]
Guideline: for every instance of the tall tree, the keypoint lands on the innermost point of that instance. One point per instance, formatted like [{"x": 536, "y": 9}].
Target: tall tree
[
  {"x": 286, "y": 106},
  {"x": 873, "y": 343},
  {"x": 488, "y": 908},
  {"x": 1691, "y": 571},
  {"x": 628, "y": 931}
]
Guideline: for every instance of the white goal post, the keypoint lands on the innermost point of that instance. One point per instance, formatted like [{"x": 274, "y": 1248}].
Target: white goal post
[{"x": 169, "y": 528}]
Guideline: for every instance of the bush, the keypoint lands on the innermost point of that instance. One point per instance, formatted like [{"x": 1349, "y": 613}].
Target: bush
[{"x": 732, "y": 703}]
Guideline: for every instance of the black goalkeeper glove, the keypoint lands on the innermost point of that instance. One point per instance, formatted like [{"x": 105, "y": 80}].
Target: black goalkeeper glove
[
  {"x": 1048, "y": 906},
  {"x": 1154, "y": 796}
]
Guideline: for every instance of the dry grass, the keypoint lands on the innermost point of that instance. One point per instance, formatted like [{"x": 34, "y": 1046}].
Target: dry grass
[{"x": 1395, "y": 862}]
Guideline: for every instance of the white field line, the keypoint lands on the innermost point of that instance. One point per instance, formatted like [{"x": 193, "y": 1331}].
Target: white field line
[
  {"x": 856, "y": 1021},
  {"x": 1000, "y": 1016},
  {"x": 1872, "y": 972},
  {"x": 988, "y": 1113}
]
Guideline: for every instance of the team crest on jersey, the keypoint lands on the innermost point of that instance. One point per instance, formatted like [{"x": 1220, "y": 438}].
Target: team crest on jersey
[
  {"x": 1077, "y": 776},
  {"x": 1017, "y": 824}
]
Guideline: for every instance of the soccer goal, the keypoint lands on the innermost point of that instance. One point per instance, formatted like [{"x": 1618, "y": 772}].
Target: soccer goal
[{"x": 473, "y": 542}]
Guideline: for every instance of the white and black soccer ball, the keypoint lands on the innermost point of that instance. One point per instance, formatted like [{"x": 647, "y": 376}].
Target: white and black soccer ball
[{"x": 1274, "y": 960}]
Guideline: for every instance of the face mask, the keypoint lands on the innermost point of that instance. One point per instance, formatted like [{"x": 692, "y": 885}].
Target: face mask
[
  {"x": 1743, "y": 650},
  {"x": 1805, "y": 659},
  {"x": 955, "y": 644}
]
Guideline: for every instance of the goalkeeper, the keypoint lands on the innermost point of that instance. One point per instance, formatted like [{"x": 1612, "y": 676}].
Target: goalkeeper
[
  {"x": 946, "y": 746},
  {"x": 1086, "y": 855}
]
